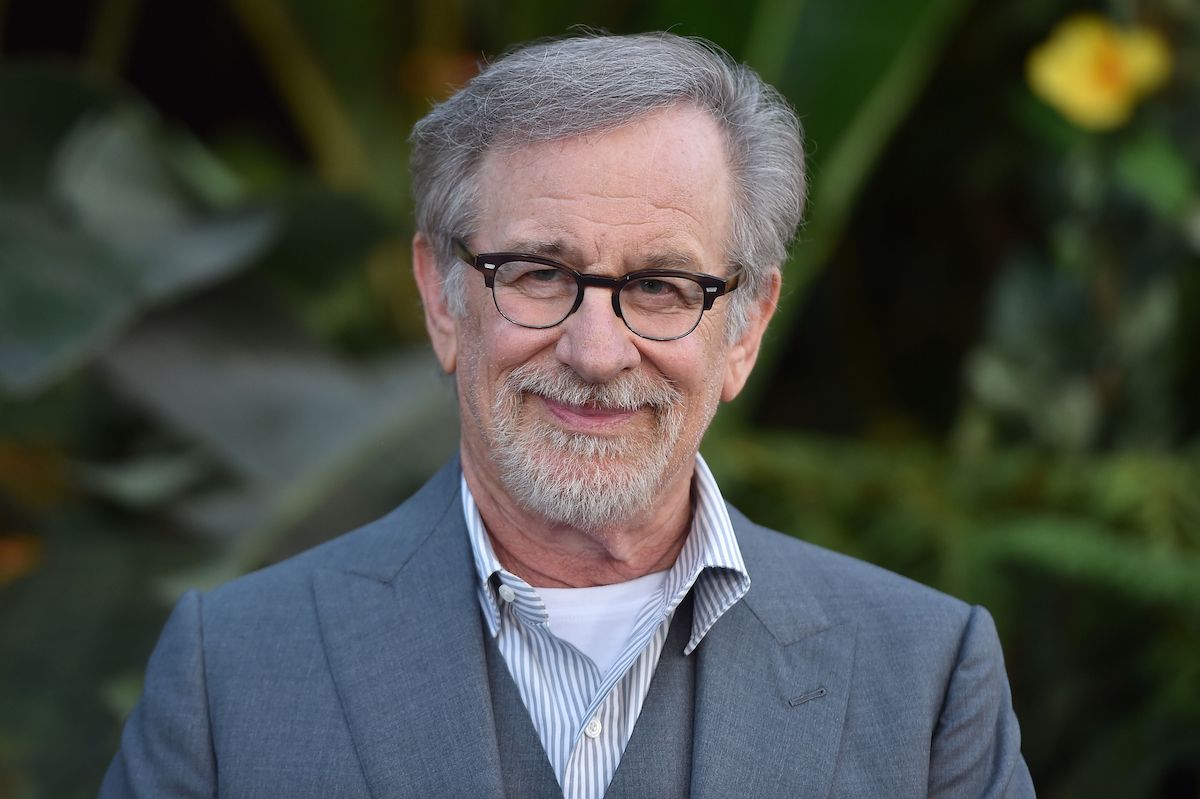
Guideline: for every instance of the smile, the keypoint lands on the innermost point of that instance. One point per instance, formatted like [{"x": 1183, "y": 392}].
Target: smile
[{"x": 591, "y": 419}]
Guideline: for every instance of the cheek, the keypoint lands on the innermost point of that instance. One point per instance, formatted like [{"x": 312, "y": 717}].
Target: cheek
[
  {"x": 712, "y": 379},
  {"x": 700, "y": 374},
  {"x": 491, "y": 347},
  {"x": 474, "y": 393},
  {"x": 471, "y": 402},
  {"x": 708, "y": 400}
]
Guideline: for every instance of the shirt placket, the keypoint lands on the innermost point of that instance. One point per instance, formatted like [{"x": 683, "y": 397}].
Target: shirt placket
[
  {"x": 603, "y": 733},
  {"x": 596, "y": 750},
  {"x": 560, "y": 672},
  {"x": 561, "y": 687},
  {"x": 594, "y": 705}
]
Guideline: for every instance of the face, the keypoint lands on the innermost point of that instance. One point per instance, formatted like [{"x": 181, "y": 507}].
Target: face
[{"x": 586, "y": 424}]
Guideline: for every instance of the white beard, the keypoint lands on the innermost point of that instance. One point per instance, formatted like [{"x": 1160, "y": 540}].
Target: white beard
[{"x": 583, "y": 481}]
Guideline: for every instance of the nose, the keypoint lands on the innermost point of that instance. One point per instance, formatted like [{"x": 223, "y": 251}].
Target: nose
[{"x": 595, "y": 342}]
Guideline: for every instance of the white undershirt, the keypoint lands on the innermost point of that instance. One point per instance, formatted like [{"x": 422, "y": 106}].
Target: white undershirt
[{"x": 599, "y": 620}]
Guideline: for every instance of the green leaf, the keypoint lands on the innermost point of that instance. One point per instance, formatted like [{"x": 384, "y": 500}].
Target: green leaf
[
  {"x": 114, "y": 175},
  {"x": 95, "y": 227},
  {"x": 1080, "y": 549},
  {"x": 40, "y": 107},
  {"x": 1148, "y": 319},
  {"x": 109, "y": 174},
  {"x": 291, "y": 423},
  {"x": 62, "y": 295},
  {"x": 1153, "y": 169},
  {"x": 145, "y": 482},
  {"x": 853, "y": 69},
  {"x": 114, "y": 217},
  {"x": 230, "y": 370}
]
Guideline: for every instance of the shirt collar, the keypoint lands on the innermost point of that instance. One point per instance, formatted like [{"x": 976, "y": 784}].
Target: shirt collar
[{"x": 710, "y": 560}]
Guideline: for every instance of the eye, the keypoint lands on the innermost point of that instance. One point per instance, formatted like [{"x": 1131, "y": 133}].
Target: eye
[
  {"x": 663, "y": 292},
  {"x": 525, "y": 271},
  {"x": 534, "y": 280},
  {"x": 652, "y": 286}
]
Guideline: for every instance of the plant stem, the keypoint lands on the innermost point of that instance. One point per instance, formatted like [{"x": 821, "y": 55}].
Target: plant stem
[
  {"x": 340, "y": 156},
  {"x": 112, "y": 30},
  {"x": 771, "y": 35}
]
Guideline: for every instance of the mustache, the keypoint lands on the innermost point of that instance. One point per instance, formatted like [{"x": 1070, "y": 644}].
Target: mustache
[{"x": 628, "y": 392}]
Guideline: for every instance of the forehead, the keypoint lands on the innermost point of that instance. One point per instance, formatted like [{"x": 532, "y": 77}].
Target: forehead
[{"x": 661, "y": 181}]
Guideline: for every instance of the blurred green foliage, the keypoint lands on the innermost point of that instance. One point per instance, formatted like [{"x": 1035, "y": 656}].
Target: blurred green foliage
[{"x": 211, "y": 354}]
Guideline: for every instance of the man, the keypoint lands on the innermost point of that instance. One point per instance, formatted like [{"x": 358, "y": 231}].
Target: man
[{"x": 569, "y": 608}]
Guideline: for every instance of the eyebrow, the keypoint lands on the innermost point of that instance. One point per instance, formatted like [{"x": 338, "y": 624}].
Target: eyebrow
[
  {"x": 542, "y": 247},
  {"x": 558, "y": 250}
]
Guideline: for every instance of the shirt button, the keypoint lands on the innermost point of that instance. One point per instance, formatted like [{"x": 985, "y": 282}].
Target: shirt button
[
  {"x": 506, "y": 593},
  {"x": 592, "y": 730}
]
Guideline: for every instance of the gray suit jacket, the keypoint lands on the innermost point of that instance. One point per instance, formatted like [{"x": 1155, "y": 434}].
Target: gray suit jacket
[{"x": 358, "y": 669}]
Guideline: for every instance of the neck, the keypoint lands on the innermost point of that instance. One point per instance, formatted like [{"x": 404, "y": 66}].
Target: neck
[{"x": 550, "y": 555}]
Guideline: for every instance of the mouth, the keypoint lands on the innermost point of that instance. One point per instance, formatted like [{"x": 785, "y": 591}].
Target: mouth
[{"x": 588, "y": 419}]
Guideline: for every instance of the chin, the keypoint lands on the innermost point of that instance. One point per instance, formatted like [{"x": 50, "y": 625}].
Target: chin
[
  {"x": 582, "y": 481},
  {"x": 588, "y": 480}
]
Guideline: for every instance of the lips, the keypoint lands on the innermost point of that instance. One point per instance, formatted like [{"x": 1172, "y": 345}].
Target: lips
[{"x": 593, "y": 419}]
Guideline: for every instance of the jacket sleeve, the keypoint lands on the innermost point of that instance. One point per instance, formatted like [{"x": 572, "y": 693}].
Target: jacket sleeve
[
  {"x": 166, "y": 746},
  {"x": 976, "y": 749}
]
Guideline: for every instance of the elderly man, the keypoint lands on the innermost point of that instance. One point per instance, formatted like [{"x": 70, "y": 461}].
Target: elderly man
[{"x": 569, "y": 608}]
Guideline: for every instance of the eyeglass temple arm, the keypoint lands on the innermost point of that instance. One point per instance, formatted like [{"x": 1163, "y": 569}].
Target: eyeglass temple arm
[{"x": 462, "y": 250}]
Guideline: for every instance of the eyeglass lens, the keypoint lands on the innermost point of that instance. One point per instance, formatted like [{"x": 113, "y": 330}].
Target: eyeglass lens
[{"x": 538, "y": 295}]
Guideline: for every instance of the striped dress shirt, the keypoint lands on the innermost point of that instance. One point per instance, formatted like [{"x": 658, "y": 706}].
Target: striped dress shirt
[{"x": 585, "y": 718}]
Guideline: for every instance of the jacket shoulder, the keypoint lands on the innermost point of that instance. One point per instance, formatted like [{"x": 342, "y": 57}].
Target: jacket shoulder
[
  {"x": 787, "y": 568},
  {"x": 378, "y": 549}
]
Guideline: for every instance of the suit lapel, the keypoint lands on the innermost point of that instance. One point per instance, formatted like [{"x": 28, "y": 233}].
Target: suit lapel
[
  {"x": 772, "y": 685},
  {"x": 406, "y": 652}
]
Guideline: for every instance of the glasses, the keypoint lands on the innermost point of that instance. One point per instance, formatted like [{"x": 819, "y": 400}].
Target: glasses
[{"x": 536, "y": 292}]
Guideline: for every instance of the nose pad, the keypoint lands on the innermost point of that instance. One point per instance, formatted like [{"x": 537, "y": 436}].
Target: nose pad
[
  {"x": 616, "y": 306},
  {"x": 595, "y": 342}
]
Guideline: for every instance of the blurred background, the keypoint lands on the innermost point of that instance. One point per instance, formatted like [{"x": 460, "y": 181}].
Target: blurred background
[{"x": 985, "y": 373}]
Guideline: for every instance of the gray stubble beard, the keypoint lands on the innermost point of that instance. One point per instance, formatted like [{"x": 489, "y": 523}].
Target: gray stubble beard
[{"x": 586, "y": 482}]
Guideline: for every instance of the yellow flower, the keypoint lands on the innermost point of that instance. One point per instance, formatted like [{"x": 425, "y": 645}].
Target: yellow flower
[{"x": 1094, "y": 73}]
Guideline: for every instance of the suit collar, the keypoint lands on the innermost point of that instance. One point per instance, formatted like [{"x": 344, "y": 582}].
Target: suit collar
[
  {"x": 383, "y": 548},
  {"x": 402, "y": 635}
]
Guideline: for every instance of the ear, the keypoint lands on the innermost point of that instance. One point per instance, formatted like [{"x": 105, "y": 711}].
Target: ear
[
  {"x": 438, "y": 319},
  {"x": 742, "y": 354}
]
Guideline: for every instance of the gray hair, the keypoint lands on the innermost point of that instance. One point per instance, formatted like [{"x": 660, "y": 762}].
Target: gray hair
[{"x": 561, "y": 88}]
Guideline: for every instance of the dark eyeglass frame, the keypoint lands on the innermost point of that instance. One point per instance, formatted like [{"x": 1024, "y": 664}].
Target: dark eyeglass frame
[{"x": 488, "y": 262}]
